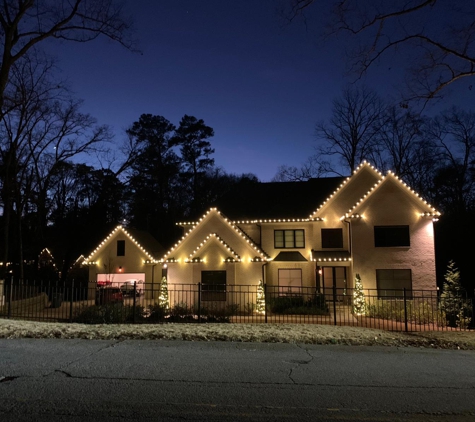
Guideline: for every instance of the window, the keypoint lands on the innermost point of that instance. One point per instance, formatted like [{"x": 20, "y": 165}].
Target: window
[
  {"x": 332, "y": 238},
  {"x": 391, "y": 283},
  {"x": 290, "y": 281},
  {"x": 289, "y": 238},
  {"x": 386, "y": 236},
  {"x": 121, "y": 248},
  {"x": 213, "y": 285}
]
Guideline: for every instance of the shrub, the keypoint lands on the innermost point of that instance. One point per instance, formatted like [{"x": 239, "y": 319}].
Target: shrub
[
  {"x": 219, "y": 312},
  {"x": 180, "y": 312},
  {"x": 157, "y": 313},
  {"x": 281, "y": 304},
  {"x": 250, "y": 308},
  {"x": 116, "y": 313},
  {"x": 418, "y": 311},
  {"x": 293, "y": 305},
  {"x": 181, "y": 309}
]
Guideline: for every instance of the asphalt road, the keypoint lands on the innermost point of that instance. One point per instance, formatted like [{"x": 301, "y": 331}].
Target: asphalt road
[{"x": 81, "y": 380}]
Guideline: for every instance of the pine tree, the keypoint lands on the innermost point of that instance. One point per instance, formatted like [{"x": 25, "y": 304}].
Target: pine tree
[
  {"x": 452, "y": 300},
  {"x": 261, "y": 298},
  {"x": 359, "y": 301},
  {"x": 163, "y": 293}
]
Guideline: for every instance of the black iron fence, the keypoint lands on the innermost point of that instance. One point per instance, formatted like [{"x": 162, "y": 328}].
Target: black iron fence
[{"x": 396, "y": 310}]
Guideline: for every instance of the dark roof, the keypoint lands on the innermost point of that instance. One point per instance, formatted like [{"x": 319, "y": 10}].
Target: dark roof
[
  {"x": 277, "y": 199},
  {"x": 289, "y": 256},
  {"x": 147, "y": 241}
]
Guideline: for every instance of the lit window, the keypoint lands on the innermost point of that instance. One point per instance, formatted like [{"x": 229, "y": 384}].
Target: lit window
[
  {"x": 290, "y": 281},
  {"x": 289, "y": 238}
]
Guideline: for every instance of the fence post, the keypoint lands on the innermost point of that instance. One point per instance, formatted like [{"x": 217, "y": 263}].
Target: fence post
[
  {"x": 2, "y": 293},
  {"x": 10, "y": 297},
  {"x": 405, "y": 310},
  {"x": 135, "y": 303},
  {"x": 199, "y": 302},
  {"x": 334, "y": 304},
  {"x": 265, "y": 303},
  {"x": 472, "y": 312},
  {"x": 71, "y": 301}
]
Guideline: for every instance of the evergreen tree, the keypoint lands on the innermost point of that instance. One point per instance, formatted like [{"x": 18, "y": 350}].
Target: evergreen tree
[
  {"x": 453, "y": 301},
  {"x": 163, "y": 294},
  {"x": 192, "y": 137},
  {"x": 154, "y": 178},
  {"x": 359, "y": 301},
  {"x": 261, "y": 298}
]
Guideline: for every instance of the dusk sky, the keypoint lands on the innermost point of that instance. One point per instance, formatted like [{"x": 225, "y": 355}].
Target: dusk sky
[{"x": 259, "y": 83}]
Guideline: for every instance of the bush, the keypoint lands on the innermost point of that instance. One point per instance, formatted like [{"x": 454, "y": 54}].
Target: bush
[
  {"x": 180, "y": 312},
  {"x": 115, "y": 313},
  {"x": 281, "y": 304},
  {"x": 250, "y": 308},
  {"x": 157, "y": 313},
  {"x": 219, "y": 312},
  {"x": 386, "y": 309},
  {"x": 418, "y": 311},
  {"x": 294, "y": 305}
]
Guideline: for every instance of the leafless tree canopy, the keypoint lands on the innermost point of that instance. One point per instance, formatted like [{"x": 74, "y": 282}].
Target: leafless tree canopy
[
  {"x": 435, "y": 38},
  {"x": 25, "y": 23},
  {"x": 351, "y": 134}
]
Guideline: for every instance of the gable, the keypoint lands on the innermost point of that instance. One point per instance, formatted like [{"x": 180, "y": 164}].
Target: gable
[
  {"x": 349, "y": 192},
  {"x": 109, "y": 245},
  {"x": 213, "y": 248},
  {"x": 391, "y": 197},
  {"x": 214, "y": 224}
]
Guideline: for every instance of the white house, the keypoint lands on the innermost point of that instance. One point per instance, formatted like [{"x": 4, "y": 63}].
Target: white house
[
  {"x": 126, "y": 255},
  {"x": 317, "y": 234}
]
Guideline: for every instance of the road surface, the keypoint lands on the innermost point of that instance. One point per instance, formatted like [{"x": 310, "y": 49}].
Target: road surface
[{"x": 98, "y": 380}]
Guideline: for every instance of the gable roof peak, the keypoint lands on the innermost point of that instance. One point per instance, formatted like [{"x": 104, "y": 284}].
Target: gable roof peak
[
  {"x": 234, "y": 256},
  {"x": 364, "y": 166},
  {"x": 132, "y": 234},
  {"x": 432, "y": 213},
  {"x": 194, "y": 225}
]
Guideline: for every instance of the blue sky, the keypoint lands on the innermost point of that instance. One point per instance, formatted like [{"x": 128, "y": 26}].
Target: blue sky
[{"x": 260, "y": 84}]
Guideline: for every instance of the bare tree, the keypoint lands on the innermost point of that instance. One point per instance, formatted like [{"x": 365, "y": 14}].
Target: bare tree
[
  {"x": 351, "y": 135},
  {"x": 435, "y": 39},
  {"x": 454, "y": 133},
  {"x": 407, "y": 150},
  {"x": 311, "y": 168},
  {"x": 26, "y": 23},
  {"x": 400, "y": 136},
  {"x": 43, "y": 128}
]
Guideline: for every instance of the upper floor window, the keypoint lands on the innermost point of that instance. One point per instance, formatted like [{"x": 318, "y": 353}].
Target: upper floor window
[
  {"x": 289, "y": 238},
  {"x": 121, "y": 248},
  {"x": 391, "y": 236},
  {"x": 332, "y": 238}
]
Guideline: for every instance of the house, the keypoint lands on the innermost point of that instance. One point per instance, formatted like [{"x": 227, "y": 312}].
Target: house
[
  {"x": 47, "y": 268},
  {"x": 317, "y": 234},
  {"x": 126, "y": 255}
]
